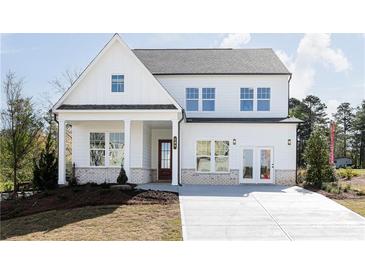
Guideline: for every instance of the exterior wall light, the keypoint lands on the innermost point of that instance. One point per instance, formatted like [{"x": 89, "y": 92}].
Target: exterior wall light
[
  {"x": 175, "y": 142},
  {"x": 234, "y": 142},
  {"x": 289, "y": 142}
]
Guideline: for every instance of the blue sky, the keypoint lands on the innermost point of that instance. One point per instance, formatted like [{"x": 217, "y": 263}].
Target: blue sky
[{"x": 331, "y": 67}]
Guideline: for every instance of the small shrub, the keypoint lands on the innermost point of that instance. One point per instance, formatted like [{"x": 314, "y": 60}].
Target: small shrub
[
  {"x": 349, "y": 173},
  {"x": 122, "y": 177}
]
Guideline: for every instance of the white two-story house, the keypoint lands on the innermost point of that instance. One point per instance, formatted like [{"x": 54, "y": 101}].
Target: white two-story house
[{"x": 184, "y": 116}]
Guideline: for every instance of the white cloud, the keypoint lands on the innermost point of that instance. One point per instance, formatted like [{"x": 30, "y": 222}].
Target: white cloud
[
  {"x": 235, "y": 40},
  {"x": 332, "y": 107},
  {"x": 312, "y": 49}
]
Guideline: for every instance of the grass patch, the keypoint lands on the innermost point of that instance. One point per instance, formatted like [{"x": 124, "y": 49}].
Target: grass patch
[
  {"x": 357, "y": 205},
  {"x": 125, "y": 222}
]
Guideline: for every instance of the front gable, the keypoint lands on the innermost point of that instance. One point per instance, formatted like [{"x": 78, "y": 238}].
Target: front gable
[{"x": 94, "y": 85}]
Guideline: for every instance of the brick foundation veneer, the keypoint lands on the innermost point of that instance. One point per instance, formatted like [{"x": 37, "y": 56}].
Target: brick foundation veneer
[
  {"x": 101, "y": 175},
  {"x": 190, "y": 176},
  {"x": 141, "y": 175},
  {"x": 97, "y": 175},
  {"x": 285, "y": 177}
]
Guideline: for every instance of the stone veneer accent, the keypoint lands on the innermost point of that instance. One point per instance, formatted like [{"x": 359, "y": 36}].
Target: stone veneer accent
[
  {"x": 97, "y": 175},
  {"x": 190, "y": 176},
  {"x": 285, "y": 177}
]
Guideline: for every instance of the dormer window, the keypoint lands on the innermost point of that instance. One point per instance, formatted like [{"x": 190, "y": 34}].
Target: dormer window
[{"x": 117, "y": 83}]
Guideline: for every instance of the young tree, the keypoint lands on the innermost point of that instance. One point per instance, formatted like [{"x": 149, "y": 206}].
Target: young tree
[
  {"x": 45, "y": 170},
  {"x": 312, "y": 112},
  {"x": 344, "y": 118},
  {"x": 316, "y": 156},
  {"x": 20, "y": 128}
]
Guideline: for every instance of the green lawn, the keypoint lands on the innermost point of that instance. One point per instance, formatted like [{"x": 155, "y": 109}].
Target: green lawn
[{"x": 357, "y": 205}]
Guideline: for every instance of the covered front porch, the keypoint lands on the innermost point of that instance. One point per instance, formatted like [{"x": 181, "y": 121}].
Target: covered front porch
[{"x": 145, "y": 143}]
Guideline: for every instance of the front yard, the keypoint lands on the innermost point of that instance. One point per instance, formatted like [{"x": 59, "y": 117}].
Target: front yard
[
  {"x": 348, "y": 192},
  {"x": 92, "y": 213}
]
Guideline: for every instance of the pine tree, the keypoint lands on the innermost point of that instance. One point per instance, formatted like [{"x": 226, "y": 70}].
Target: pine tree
[
  {"x": 313, "y": 114},
  {"x": 45, "y": 171},
  {"x": 316, "y": 157},
  {"x": 344, "y": 118}
]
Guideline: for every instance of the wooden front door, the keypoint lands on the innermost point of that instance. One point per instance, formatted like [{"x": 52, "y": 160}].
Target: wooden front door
[{"x": 164, "y": 160}]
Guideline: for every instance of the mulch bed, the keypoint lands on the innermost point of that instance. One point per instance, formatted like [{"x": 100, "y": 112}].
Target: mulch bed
[{"x": 79, "y": 196}]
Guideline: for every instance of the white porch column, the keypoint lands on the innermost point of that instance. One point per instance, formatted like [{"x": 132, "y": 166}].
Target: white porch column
[
  {"x": 61, "y": 153},
  {"x": 127, "y": 147},
  {"x": 175, "y": 147}
]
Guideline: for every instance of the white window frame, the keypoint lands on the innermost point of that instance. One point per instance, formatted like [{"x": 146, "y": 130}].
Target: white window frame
[
  {"x": 264, "y": 99},
  {"x": 111, "y": 83},
  {"x": 114, "y": 149},
  {"x": 253, "y": 99},
  {"x": 98, "y": 149},
  {"x": 106, "y": 149},
  {"x": 209, "y": 99},
  {"x": 186, "y": 99},
  {"x": 196, "y": 156},
  {"x": 222, "y": 156},
  {"x": 212, "y": 156}
]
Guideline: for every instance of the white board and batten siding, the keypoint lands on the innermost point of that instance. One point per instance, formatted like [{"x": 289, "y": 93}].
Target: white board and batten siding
[
  {"x": 227, "y": 93},
  {"x": 140, "y": 87}
]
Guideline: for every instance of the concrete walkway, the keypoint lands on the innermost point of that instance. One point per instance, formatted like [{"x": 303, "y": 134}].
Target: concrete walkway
[{"x": 264, "y": 212}]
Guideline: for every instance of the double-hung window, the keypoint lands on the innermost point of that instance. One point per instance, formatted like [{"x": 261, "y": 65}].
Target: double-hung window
[
  {"x": 192, "y": 99},
  {"x": 221, "y": 155},
  {"x": 116, "y": 148},
  {"x": 203, "y": 155},
  {"x": 212, "y": 155},
  {"x": 117, "y": 83},
  {"x": 208, "y": 95},
  {"x": 97, "y": 149},
  {"x": 263, "y": 99},
  {"x": 246, "y": 98}
]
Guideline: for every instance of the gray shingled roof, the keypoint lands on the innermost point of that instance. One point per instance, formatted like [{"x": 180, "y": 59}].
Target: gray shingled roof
[{"x": 211, "y": 61}]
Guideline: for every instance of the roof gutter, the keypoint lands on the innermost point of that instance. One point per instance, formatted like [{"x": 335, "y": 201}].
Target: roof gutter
[
  {"x": 290, "y": 76},
  {"x": 178, "y": 148}
]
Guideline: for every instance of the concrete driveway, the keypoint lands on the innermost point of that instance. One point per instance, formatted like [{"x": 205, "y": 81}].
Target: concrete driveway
[{"x": 264, "y": 212}]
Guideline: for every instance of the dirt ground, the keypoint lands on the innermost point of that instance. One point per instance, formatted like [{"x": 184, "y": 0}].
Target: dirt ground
[
  {"x": 91, "y": 213},
  {"x": 80, "y": 196},
  {"x": 159, "y": 222}
]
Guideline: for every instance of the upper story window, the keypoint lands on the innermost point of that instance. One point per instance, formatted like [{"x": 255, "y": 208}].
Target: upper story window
[
  {"x": 117, "y": 83},
  {"x": 208, "y": 95},
  {"x": 192, "y": 99},
  {"x": 263, "y": 99},
  {"x": 246, "y": 97}
]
